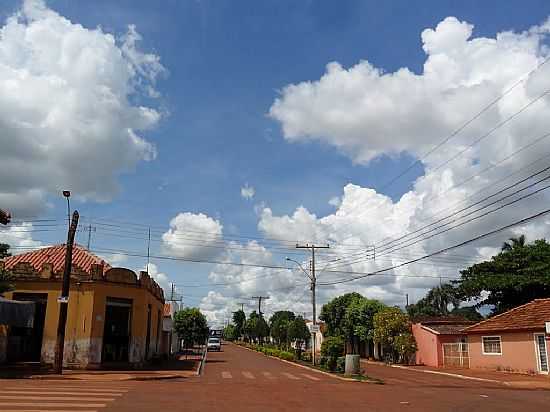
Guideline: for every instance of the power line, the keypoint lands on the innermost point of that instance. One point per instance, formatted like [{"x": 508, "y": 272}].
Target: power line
[
  {"x": 463, "y": 126},
  {"x": 458, "y": 245}
]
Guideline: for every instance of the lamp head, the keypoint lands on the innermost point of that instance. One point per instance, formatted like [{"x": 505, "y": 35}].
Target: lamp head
[{"x": 67, "y": 193}]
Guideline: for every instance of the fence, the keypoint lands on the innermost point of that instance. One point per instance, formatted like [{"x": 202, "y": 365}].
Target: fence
[{"x": 456, "y": 355}]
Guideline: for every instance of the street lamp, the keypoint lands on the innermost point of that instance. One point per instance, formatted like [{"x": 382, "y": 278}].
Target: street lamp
[
  {"x": 299, "y": 265},
  {"x": 67, "y": 195}
]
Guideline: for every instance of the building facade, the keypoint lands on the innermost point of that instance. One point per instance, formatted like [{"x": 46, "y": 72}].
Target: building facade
[
  {"x": 514, "y": 341},
  {"x": 114, "y": 315}
]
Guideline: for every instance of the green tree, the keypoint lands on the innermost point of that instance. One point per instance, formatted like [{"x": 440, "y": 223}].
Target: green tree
[
  {"x": 5, "y": 276},
  {"x": 436, "y": 302},
  {"x": 357, "y": 324},
  {"x": 333, "y": 312},
  {"x": 392, "y": 329},
  {"x": 514, "y": 243},
  {"x": 239, "y": 319},
  {"x": 4, "y": 250},
  {"x": 256, "y": 328},
  {"x": 331, "y": 349},
  {"x": 511, "y": 278},
  {"x": 298, "y": 333},
  {"x": 467, "y": 312},
  {"x": 191, "y": 326},
  {"x": 278, "y": 326},
  {"x": 230, "y": 333},
  {"x": 350, "y": 316}
]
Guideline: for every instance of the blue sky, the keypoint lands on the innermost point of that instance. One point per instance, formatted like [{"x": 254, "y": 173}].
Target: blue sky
[{"x": 226, "y": 62}]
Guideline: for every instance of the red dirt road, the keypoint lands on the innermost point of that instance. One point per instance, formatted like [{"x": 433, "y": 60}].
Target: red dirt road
[{"x": 241, "y": 380}]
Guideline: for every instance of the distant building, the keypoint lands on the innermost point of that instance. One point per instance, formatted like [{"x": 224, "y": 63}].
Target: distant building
[
  {"x": 441, "y": 341},
  {"x": 170, "y": 341},
  {"x": 514, "y": 341},
  {"x": 114, "y": 315}
]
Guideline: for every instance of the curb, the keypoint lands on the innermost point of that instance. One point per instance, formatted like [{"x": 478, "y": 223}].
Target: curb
[
  {"x": 200, "y": 369},
  {"x": 307, "y": 367}
]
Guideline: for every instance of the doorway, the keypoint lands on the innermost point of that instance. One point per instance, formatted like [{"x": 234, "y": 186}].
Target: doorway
[
  {"x": 542, "y": 353},
  {"x": 25, "y": 344},
  {"x": 117, "y": 330}
]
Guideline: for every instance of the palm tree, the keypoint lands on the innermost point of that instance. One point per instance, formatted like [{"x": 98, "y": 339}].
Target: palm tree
[{"x": 515, "y": 242}]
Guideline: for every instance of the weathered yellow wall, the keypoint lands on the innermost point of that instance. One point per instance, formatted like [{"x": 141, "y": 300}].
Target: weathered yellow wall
[
  {"x": 78, "y": 328},
  {"x": 86, "y": 316},
  {"x": 140, "y": 299}
]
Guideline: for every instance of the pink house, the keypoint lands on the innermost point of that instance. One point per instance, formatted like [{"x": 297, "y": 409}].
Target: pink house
[
  {"x": 441, "y": 342},
  {"x": 514, "y": 341}
]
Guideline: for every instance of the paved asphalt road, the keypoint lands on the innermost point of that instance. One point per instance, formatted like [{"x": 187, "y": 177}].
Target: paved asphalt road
[{"x": 241, "y": 380}]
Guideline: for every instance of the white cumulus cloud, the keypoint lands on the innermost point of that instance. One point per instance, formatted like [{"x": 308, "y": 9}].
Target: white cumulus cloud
[
  {"x": 193, "y": 236},
  {"x": 67, "y": 107},
  {"x": 247, "y": 192}
]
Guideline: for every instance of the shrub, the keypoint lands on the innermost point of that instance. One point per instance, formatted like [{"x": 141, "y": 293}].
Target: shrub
[
  {"x": 341, "y": 364},
  {"x": 332, "y": 347},
  {"x": 289, "y": 356},
  {"x": 323, "y": 362},
  {"x": 306, "y": 356}
]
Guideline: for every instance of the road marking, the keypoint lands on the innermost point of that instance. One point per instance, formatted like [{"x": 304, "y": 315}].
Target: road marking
[
  {"x": 226, "y": 375},
  {"x": 84, "y": 389},
  {"x": 248, "y": 375},
  {"x": 55, "y": 405},
  {"x": 62, "y": 393},
  {"x": 290, "y": 376},
  {"x": 268, "y": 375},
  {"x": 484, "y": 396},
  {"x": 56, "y": 398},
  {"x": 313, "y": 378}
]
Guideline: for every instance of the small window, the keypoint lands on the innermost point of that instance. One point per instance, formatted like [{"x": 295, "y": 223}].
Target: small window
[{"x": 491, "y": 345}]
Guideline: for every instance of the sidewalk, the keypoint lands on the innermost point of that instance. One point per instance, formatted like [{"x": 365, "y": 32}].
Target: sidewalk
[
  {"x": 514, "y": 380},
  {"x": 177, "y": 368}
]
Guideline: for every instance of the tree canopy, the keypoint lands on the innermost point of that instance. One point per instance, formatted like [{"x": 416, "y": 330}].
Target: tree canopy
[
  {"x": 256, "y": 328},
  {"x": 351, "y": 317},
  {"x": 5, "y": 276},
  {"x": 436, "y": 302},
  {"x": 239, "y": 319},
  {"x": 279, "y": 324},
  {"x": 515, "y": 276},
  {"x": 297, "y": 331},
  {"x": 392, "y": 329},
  {"x": 191, "y": 326}
]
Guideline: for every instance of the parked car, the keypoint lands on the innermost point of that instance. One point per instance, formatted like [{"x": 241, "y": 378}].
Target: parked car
[{"x": 214, "y": 344}]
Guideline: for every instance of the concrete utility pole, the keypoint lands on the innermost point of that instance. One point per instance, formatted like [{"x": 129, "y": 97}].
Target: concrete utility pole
[
  {"x": 90, "y": 229},
  {"x": 260, "y": 298},
  {"x": 313, "y": 280},
  {"x": 64, "y": 298}
]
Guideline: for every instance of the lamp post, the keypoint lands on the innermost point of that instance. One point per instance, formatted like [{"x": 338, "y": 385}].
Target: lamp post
[{"x": 67, "y": 195}]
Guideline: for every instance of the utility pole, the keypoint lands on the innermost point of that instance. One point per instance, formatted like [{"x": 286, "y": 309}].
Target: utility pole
[
  {"x": 407, "y": 295},
  {"x": 242, "y": 306},
  {"x": 313, "y": 280},
  {"x": 148, "y": 249},
  {"x": 90, "y": 229},
  {"x": 260, "y": 298},
  {"x": 64, "y": 298}
]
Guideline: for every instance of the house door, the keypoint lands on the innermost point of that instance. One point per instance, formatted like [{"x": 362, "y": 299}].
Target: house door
[
  {"x": 116, "y": 333},
  {"x": 542, "y": 353},
  {"x": 25, "y": 344}
]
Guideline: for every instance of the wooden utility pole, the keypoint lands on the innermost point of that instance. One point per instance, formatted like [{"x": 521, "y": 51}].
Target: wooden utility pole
[
  {"x": 64, "y": 298},
  {"x": 313, "y": 280},
  {"x": 90, "y": 229},
  {"x": 260, "y": 298},
  {"x": 242, "y": 306}
]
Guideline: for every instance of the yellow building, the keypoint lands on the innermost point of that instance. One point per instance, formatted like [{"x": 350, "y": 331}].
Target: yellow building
[{"x": 114, "y": 316}]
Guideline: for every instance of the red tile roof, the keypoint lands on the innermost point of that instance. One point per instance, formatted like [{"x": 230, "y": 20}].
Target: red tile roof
[
  {"x": 530, "y": 316},
  {"x": 56, "y": 256},
  {"x": 167, "y": 310},
  {"x": 448, "y": 329}
]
